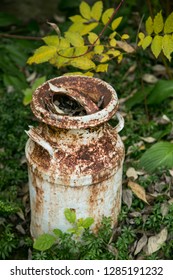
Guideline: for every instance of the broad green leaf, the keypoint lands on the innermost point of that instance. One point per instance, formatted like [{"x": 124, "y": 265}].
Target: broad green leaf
[
  {"x": 161, "y": 91},
  {"x": 86, "y": 223},
  {"x": 51, "y": 40},
  {"x": 159, "y": 155},
  {"x": 107, "y": 15},
  {"x": 44, "y": 242},
  {"x": 38, "y": 82},
  {"x": 42, "y": 54},
  {"x": 98, "y": 49},
  {"x": 156, "y": 45},
  {"x": 158, "y": 23},
  {"x": 92, "y": 37},
  {"x": 116, "y": 22},
  {"x": 57, "y": 232},
  {"x": 167, "y": 46},
  {"x": 113, "y": 42},
  {"x": 146, "y": 42},
  {"x": 96, "y": 10},
  {"x": 15, "y": 82},
  {"x": 85, "y": 10},
  {"x": 77, "y": 19},
  {"x": 70, "y": 215},
  {"x": 74, "y": 38},
  {"x": 102, "y": 68},
  {"x": 168, "y": 28},
  {"x": 138, "y": 97},
  {"x": 83, "y": 63},
  {"x": 27, "y": 96},
  {"x": 80, "y": 50},
  {"x": 149, "y": 26}
]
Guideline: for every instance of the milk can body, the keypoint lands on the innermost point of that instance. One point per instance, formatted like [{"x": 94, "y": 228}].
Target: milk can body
[{"x": 74, "y": 162}]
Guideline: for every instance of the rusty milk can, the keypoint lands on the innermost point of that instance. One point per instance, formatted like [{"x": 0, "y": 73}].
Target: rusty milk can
[{"x": 74, "y": 156}]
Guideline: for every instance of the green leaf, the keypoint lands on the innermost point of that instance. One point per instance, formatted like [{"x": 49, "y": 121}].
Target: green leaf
[
  {"x": 96, "y": 10},
  {"x": 158, "y": 23},
  {"x": 161, "y": 91},
  {"x": 44, "y": 242},
  {"x": 159, "y": 155},
  {"x": 17, "y": 83},
  {"x": 74, "y": 38},
  {"x": 81, "y": 28},
  {"x": 77, "y": 19},
  {"x": 146, "y": 42},
  {"x": 85, "y": 10},
  {"x": 38, "y": 82},
  {"x": 63, "y": 44},
  {"x": 70, "y": 215},
  {"x": 116, "y": 22},
  {"x": 57, "y": 232},
  {"x": 27, "y": 96},
  {"x": 83, "y": 63},
  {"x": 87, "y": 222},
  {"x": 42, "y": 54},
  {"x": 167, "y": 46},
  {"x": 156, "y": 45},
  {"x": 168, "y": 28},
  {"x": 107, "y": 15},
  {"x": 92, "y": 37},
  {"x": 149, "y": 26},
  {"x": 51, "y": 40},
  {"x": 138, "y": 97}
]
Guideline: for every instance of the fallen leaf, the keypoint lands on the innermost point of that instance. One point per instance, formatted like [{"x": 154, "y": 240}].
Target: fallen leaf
[
  {"x": 127, "y": 197},
  {"x": 138, "y": 190},
  {"x": 164, "y": 209},
  {"x": 155, "y": 242},
  {"x": 20, "y": 229},
  {"x": 131, "y": 173},
  {"x": 148, "y": 139},
  {"x": 149, "y": 78},
  {"x": 125, "y": 46},
  {"x": 171, "y": 172},
  {"x": 141, "y": 243}
]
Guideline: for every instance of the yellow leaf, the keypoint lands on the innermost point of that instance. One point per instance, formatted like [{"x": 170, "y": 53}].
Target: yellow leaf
[
  {"x": 138, "y": 190},
  {"x": 114, "y": 53},
  {"x": 85, "y": 10},
  {"x": 80, "y": 50},
  {"x": 125, "y": 37},
  {"x": 74, "y": 38},
  {"x": 168, "y": 28},
  {"x": 102, "y": 68},
  {"x": 63, "y": 44},
  {"x": 120, "y": 58},
  {"x": 51, "y": 40},
  {"x": 65, "y": 57},
  {"x": 125, "y": 47},
  {"x": 158, "y": 23},
  {"x": 113, "y": 42},
  {"x": 167, "y": 46},
  {"x": 156, "y": 45},
  {"x": 82, "y": 63},
  {"x": 96, "y": 10},
  {"x": 98, "y": 49},
  {"x": 106, "y": 15},
  {"x": 42, "y": 54},
  {"x": 81, "y": 28},
  {"x": 149, "y": 26},
  {"x": 92, "y": 37},
  {"x": 146, "y": 42},
  {"x": 104, "y": 57},
  {"x": 90, "y": 74},
  {"x": 116, "y": 22},
  {"x": 77, "y": 18},
  {"x": 141, "y": 37},
  {"x": 112, "y": 35}
]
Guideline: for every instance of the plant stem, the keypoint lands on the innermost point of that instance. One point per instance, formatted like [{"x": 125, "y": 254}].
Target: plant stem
[
  {"x": 20, "y": 37},
  {"x": 168, "y": 71},
  {"x": 150, "y": 8}
]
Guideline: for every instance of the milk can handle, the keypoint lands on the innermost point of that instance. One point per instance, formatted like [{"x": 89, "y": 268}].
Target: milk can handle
[
  {"x": 120, "y": 125},
  {"x": 34, "y": 136}
]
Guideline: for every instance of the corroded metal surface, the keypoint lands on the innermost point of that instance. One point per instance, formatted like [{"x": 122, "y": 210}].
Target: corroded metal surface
[{"x": 74, "y": 163}]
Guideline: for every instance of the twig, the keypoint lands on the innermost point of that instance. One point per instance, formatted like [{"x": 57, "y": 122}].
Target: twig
[
  {"x": 100, "y": 34},
  {"x": 20, "y": 37}
]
